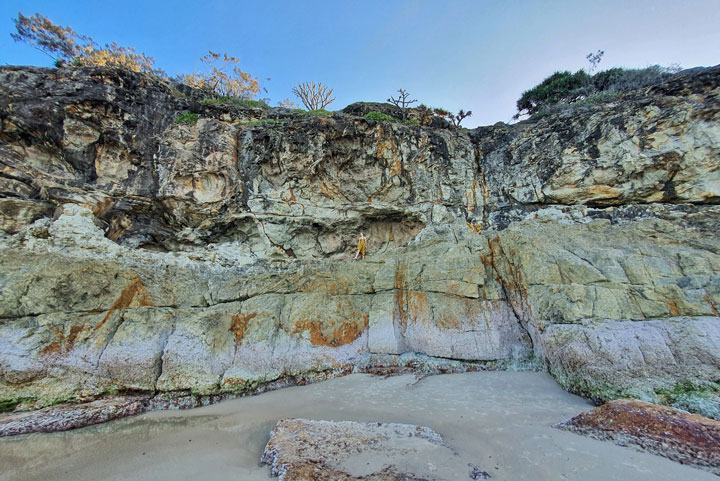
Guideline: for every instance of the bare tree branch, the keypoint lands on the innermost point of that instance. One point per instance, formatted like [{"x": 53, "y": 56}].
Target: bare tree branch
[
  {"x": 402, "y": 101},
  {"x": 314, "y": 96}
]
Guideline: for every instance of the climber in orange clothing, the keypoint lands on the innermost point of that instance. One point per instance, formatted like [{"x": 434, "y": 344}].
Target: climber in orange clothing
[{"x": 361, "y": 246}]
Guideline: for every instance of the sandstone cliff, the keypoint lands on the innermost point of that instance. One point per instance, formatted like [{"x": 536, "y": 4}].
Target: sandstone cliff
[{"x": 144, "y": 255}]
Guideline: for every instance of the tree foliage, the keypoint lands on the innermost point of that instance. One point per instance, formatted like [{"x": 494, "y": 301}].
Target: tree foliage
[
  {"x": 224, "y": 77},
  {"x": 65, "y": 46},
  {"x": 314, "y": 96},
  {"x": 454, "y": 119},
  {"x": 59, "y": 43},
  {"x": 114, "y": 55}
]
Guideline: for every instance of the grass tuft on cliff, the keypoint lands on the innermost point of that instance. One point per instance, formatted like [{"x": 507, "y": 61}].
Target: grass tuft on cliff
[
  {"x": 235, "y": 101},
  {"x": 187, "y": 119}
]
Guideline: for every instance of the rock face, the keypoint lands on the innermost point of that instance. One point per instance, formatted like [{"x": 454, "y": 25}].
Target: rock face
[
  {"x": 306, "y": 450},
  {"x": 140, "y": 254},
  {"x": 687, "y": 438}
]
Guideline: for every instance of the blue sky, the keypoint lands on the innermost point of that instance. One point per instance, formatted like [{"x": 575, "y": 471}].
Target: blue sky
[{"x": 477, "y": 55}]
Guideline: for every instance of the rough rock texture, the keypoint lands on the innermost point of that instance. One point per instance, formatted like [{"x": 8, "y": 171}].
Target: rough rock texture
[
  {"x": 686, "y": 438},
  {"x": 54, "y": 419},
  {"x": 143, "y": 255},
  {"x": 306, "y": 450}
]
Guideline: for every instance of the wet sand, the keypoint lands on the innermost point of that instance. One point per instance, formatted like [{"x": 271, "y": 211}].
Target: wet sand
[{"x": 500, "y": 421}]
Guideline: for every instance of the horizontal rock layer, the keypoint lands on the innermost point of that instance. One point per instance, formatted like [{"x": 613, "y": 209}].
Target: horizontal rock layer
[{"x": 140, "y": 254}]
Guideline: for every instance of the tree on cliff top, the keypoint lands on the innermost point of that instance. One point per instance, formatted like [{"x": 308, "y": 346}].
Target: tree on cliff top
[
  {"x": 314, "y": 96},
  {"x": 224, "y": 77},
  {"x": 59, "y": 43},
  {"x": 65, "y": 45}
]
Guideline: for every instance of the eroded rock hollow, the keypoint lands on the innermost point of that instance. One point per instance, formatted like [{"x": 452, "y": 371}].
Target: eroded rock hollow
[{"x": 140, "y": 254}]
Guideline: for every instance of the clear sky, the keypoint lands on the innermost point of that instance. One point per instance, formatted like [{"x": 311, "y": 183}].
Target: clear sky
[{"x": 471, "y": 54}]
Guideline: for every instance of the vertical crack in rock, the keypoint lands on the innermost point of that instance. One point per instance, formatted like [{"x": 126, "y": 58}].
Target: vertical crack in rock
[
  {"x": 160, "y": 361},
  {"x": 512, "y": 286},
  {"x": 110, "y": 335}
]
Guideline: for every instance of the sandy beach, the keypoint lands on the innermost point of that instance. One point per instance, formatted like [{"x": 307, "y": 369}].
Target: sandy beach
[{"x": 500, "y": 421}]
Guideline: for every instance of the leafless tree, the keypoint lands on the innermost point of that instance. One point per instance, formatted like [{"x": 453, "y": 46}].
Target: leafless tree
[
  {"x": 402, "y": 101},
  {"x": 314, "y": 96},
  {"x": 594, "y": 59}
]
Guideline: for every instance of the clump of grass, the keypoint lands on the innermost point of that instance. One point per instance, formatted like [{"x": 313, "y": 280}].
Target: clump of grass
[
  {"x": 319, "y": 113},
  {"x": 235, "y": 101},
  {"x": 375, "y": 115},
  {"x": 187, "y": 119},
  {"x": 379, "y": 116},
  {"x": 177, "y": 93}
]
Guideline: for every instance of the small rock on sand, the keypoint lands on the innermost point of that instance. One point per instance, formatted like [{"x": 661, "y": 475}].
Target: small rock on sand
[{"x": 301, "y": 449}]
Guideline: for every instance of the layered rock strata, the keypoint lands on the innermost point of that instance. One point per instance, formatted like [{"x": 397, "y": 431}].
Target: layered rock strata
[{"x": 144, "y": 255}]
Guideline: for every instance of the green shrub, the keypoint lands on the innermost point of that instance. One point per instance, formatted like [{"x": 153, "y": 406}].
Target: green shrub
[
  {"x": 375, "y": 115},
  {"x": 235, "y": 101},
  {"x": 568, "y": 88},
  {"x": 559, "y": 87},
  {"x": 319, "y": 113},
  {"x": 187, "y": 119},
  {"x": 623, "y": 80}
]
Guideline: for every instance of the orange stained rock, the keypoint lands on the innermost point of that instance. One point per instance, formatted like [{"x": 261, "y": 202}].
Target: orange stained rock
[
  {"x": 673, "y": 308},
  {"x": 712, "y": 306},
  {"x": 132, "y": 296},
  {"x": 476, "y": 228},
  {"x": 418, "y": 306},
  {"x": 400, "y": 300},
  {"x": 62, "y": 343},
  {"x": 333, "y": 332},
  {"x": 239, "y": 325}
]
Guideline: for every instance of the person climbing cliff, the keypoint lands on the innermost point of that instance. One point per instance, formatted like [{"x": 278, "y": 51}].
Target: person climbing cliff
[{"x": 361, "y": 246}]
